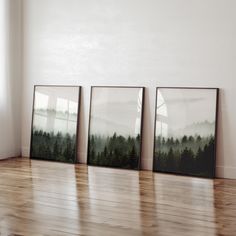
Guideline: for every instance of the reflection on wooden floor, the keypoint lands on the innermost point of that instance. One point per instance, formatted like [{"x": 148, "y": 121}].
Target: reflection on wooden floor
[{"x": 46, "y": 198}]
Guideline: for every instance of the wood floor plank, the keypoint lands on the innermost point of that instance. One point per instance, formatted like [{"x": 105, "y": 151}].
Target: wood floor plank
[{"x": 47, "y": 198}]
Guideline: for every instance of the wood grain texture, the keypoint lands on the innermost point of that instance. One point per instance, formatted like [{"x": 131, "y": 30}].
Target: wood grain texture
[{"x": 46, "y": 198}]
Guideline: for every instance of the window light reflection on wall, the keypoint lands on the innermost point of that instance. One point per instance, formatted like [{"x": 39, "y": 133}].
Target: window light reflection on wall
[{"x": 3, "y": 56}]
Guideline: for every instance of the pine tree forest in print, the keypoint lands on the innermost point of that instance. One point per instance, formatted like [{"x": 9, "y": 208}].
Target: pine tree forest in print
[{"x": 185, "y": 136}]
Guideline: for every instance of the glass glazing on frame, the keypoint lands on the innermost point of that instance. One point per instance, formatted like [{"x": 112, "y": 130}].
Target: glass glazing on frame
[
  {"x": 54, "y": 124},
  {"x": 115, "y": 127},
  {"x": 185, "y": 131}
]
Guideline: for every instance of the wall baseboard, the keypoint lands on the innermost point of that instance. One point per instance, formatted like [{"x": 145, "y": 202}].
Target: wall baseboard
[
  {"x": 25, "y": 151},
  {"x": 82, "y": 157},
  {"x": 146, "y": 164},
  {"x": 225, "y": 172},
  {"x": 10, "y": 154}
]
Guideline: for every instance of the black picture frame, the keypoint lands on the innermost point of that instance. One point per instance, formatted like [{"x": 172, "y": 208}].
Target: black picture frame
[
  {"x": 141, "y": 125},
  {"x": 215, "y": 131},
  {"x": 77, "y": 123}
]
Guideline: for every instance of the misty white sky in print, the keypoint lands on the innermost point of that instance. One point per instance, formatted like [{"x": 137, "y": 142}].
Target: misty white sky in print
[
  {"x": 58, "y": 99},
  {"x": 185, "y": 112},
  {"x": 116, "y": 110}
]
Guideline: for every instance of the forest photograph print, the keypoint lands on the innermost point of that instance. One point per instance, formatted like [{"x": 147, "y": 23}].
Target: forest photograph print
[
  {"x": 54, "y": 123},
  {"x": 185, "y": 131},
  {"x": 115, "y": 127}
]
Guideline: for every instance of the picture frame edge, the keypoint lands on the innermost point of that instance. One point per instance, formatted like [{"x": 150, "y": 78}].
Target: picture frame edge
[
  {"x": 89, "y": 122},
  {"x": 216, "y": 130},
  {"x": 78, "y": 111}
]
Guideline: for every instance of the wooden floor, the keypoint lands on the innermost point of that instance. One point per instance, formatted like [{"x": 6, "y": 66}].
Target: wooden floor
[{"x": 45, "y": 198}]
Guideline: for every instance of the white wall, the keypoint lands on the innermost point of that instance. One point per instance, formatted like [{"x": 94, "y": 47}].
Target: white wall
[
  {"x": 134, "y": 42},
  {"x": 10, "y": 78}
]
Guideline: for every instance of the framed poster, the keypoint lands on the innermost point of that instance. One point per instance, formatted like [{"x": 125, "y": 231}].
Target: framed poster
[
  {"x": 55, "y": 123},
  {"x": 115, "y": 127},
  {"x": 185, "y": 131}
]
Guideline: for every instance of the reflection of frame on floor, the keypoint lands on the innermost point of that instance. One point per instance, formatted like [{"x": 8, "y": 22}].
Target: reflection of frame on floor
[
  {"x": 186, "y": 131},
  {"x": 55, "y": 122},
  {"x": 112, "y": 142}
]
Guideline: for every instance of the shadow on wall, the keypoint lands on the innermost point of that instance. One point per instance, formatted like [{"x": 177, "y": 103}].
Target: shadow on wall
[
  {"x": 222, "y": 117},
  {"x": 82, "y": 129},
  {"x": 148, "y": 131}
]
